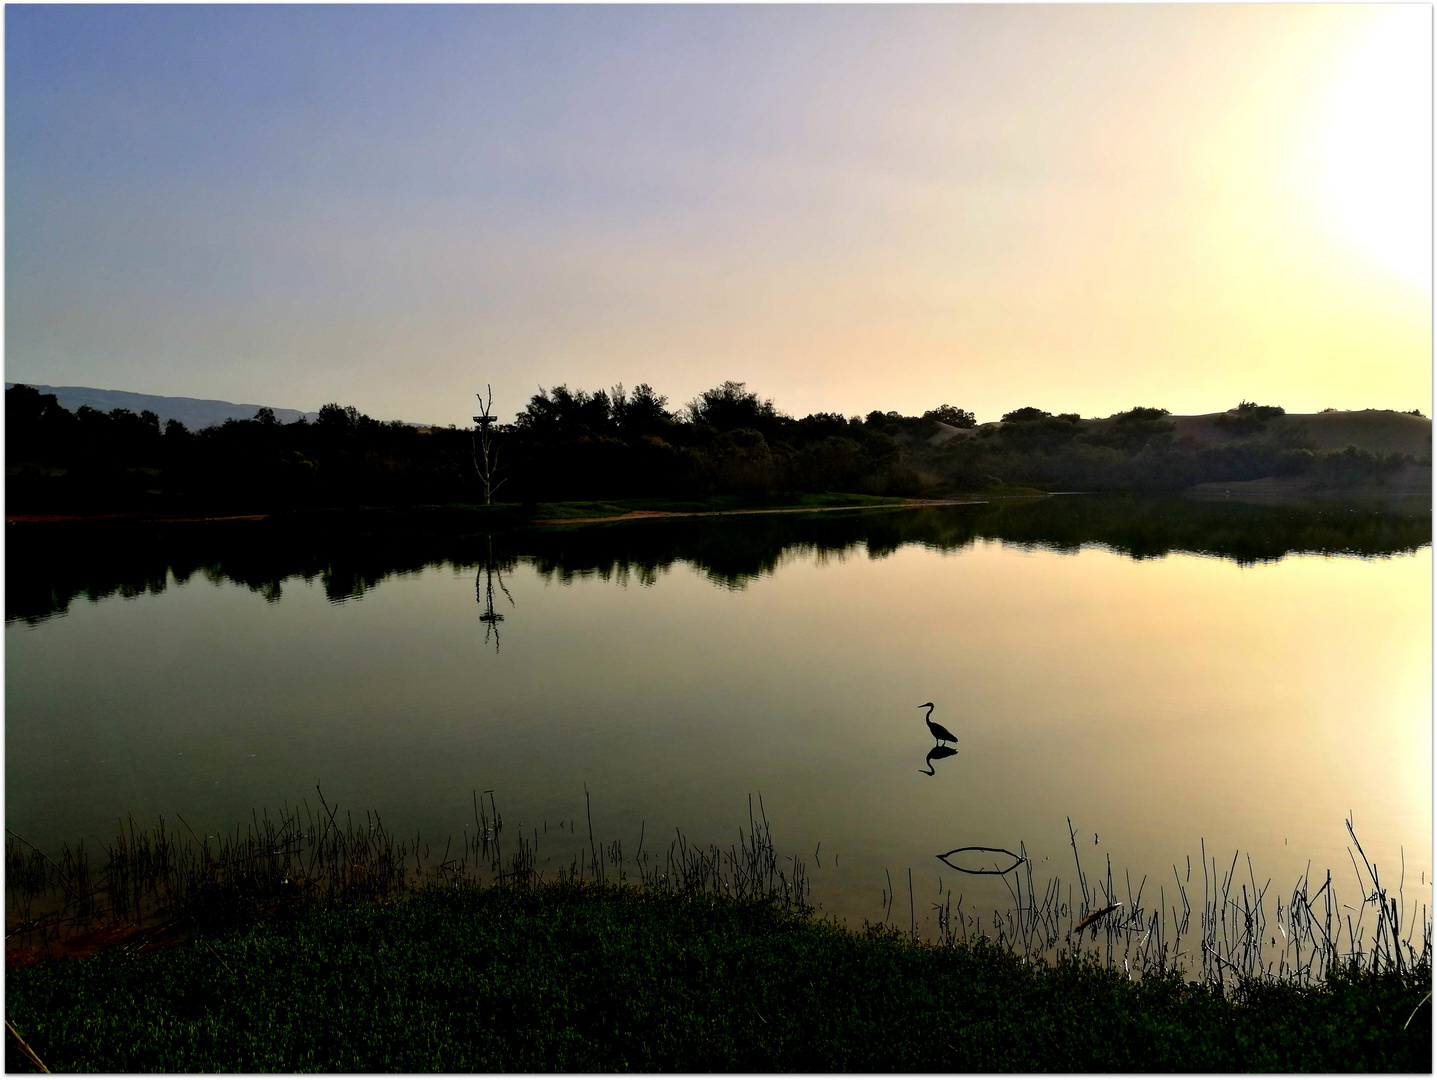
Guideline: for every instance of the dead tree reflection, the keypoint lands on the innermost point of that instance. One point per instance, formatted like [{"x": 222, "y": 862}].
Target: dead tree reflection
[{"x": 489, "y": 572}]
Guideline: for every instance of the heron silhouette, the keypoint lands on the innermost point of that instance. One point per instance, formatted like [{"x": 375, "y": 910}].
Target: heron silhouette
[{"x": 940, "y": 733}]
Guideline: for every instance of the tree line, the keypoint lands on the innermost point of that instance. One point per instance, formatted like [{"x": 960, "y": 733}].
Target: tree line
[{"x": 617, "y": 443}]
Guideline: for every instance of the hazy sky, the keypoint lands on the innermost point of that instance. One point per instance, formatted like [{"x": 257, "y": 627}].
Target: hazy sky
[{"x": 1079, "y": 208}]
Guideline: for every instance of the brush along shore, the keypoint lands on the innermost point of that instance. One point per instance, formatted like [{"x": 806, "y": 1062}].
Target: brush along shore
[{"x": 580, "y": 976}]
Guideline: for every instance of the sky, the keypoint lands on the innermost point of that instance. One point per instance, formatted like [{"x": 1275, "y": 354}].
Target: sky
[{"x": 1082, "y": 208}]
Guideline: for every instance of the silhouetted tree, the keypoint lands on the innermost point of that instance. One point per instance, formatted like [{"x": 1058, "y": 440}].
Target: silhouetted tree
[
  {"x": 1026, "y": 415},
  {"x": 1248, "y": 418},
  {"x": 486, "y": 448},
  {"x": 730, "y": 406},
  {"x": 952, "y": 416},
  {"x": 643, "y": 412},
  {"x": 336, "y": 419}
]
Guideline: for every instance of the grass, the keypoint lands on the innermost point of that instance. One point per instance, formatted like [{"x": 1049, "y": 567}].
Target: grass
[
  {"x": 580, "y": 976},
  {"x": 462, "y": 518},
  {"x": 711, "y": 505}
]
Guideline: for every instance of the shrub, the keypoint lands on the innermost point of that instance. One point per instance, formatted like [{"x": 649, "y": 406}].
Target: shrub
[
  {"x": 952, "y": 416},
  {"x": 1025, "y": 415}
]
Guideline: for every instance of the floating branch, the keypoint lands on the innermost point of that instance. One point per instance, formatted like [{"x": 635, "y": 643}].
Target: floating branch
[
  {"x": 1018, "y": 860},
  {"x": 1094, "y": 917}
]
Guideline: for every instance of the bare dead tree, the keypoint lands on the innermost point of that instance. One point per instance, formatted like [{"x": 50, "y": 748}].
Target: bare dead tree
[{"x": 486, "y": 448}]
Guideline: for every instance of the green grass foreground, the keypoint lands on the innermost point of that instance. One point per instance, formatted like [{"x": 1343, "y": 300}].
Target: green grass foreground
[{"x": 582, "y": 978}]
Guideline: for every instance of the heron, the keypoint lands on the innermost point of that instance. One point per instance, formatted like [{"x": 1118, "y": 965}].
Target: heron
[{"x": 940, "y": 733}]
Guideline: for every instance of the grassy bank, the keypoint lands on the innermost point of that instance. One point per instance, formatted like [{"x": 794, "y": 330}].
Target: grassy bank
[
  {"x": 581, "y": 977},
  {"x": 509, "y": 514},
  {"x": 475, "y": 517},
  {"x": 715, "y": 504}
]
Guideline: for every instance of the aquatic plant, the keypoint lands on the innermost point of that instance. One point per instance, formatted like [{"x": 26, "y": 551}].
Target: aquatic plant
[{"x": 155, "y": 881}]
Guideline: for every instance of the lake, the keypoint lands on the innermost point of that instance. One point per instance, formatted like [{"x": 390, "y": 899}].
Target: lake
[{"x": 1170, "y": 675}]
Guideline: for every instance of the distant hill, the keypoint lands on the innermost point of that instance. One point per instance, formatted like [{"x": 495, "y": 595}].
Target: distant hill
[
  {"x": 1381, "y": 431},
  {"x": 194, "y": 413}
]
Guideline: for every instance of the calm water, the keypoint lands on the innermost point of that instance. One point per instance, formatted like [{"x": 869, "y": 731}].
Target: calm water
[{"x": 1162, "y": 673}]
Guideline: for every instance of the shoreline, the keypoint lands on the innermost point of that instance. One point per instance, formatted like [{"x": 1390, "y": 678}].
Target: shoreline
[
  {"x": 639, "y": 515},
  {"x": 143, "y": 517},
  {"x": 509, "y": 515}
]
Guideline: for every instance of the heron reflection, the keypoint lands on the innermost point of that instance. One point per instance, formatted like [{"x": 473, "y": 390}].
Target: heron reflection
[
  {"x": 937, "y": 754},
  {"x": 484, "y": 581}
]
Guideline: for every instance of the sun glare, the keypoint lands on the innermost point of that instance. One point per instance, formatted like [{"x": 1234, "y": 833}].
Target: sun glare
[{"x": 1378, "y": 148}]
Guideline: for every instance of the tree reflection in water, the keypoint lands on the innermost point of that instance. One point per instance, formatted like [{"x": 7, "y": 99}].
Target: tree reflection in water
[
  {"x": 49, "y": 565},
  {"x": 488, "y": 573}
]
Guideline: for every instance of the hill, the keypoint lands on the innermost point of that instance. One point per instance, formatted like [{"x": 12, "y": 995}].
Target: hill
[
  {"x": 194, "y": 413},
  {"x": 1260, "y": 447},
  {"x": 1378, "y": 431}
]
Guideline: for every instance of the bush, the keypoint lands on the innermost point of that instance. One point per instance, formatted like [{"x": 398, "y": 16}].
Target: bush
[
  {"x": 1025, "y": 415},
  {"x": 952, "y": 416}
]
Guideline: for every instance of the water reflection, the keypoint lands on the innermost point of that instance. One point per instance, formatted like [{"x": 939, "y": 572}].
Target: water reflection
[
  {"x": 50, "y": 566},
  {"x": 489, "y": 572},
  {"x": 938, "y": 753},
  {"x": 983, "y": 860}
]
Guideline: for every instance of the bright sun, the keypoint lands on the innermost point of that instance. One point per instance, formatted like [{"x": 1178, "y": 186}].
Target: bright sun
[{"x": 1377, "y": 151}]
